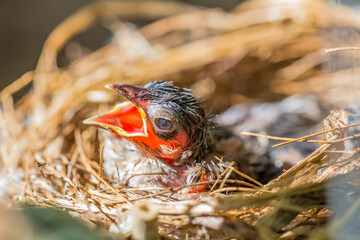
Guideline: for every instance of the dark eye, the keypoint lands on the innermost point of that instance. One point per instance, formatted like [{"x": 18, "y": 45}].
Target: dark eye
[{"x": 163, "y": 124}]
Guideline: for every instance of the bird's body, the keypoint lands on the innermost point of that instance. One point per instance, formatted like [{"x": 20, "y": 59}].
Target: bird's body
[
  {"x": 161, "y": 137},
  {"x": 126, "y": 165}
]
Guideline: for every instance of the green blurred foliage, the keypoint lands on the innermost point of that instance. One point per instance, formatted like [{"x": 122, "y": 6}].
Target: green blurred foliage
[{"x": 51, "y": 224}]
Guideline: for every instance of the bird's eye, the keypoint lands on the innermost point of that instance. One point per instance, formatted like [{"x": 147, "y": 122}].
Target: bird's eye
[{"x": 163, "y": 124}]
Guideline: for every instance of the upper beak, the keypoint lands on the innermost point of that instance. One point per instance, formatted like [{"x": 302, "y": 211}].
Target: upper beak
[
  {"x": 127, "y": 119},
  {"x": 132, "y": 93}
]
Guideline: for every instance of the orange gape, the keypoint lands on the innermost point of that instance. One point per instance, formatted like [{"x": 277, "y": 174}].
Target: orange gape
[{"x": 127, "y": 121}]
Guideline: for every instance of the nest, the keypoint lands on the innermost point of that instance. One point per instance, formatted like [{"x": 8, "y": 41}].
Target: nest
[{"x": 261, "y": 50}]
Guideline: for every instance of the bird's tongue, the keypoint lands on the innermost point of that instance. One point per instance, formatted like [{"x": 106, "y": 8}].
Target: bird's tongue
[{"x": 124, "y": 119}]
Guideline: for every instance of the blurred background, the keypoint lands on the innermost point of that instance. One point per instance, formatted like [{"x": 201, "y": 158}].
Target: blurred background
[{"x": 24, "y": 26}]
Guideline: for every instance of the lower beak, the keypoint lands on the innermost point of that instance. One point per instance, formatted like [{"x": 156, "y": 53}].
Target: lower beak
[{"x": 125, "y": 119}]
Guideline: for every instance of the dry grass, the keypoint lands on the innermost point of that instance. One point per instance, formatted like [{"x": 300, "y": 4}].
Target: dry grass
[{"x": 263, "y": 50}]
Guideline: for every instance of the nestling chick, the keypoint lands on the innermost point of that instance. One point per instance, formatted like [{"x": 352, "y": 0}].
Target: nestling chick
[{"x": 162, "y": 137}]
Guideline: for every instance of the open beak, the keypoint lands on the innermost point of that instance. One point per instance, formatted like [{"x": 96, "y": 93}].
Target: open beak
[{"x": 128, "y": 119}]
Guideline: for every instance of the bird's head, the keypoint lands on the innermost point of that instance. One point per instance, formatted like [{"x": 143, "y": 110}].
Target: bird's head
[{"x": 164, "y": 121}]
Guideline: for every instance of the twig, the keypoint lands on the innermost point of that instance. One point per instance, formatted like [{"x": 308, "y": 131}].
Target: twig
[
  {"x": 221, "y": 181},
  {"x": 21, "y": 82},
  {"x": 101, "y": 164},
  {"x": 330, "y": 50},
  {"x": 233, "y": 189},
  {"x": 304, "y": 138},
  {"x": 248, "y": 177}
]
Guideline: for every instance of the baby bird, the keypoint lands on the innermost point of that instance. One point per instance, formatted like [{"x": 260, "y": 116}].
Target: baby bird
[{"x": 161, "y": 137}]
